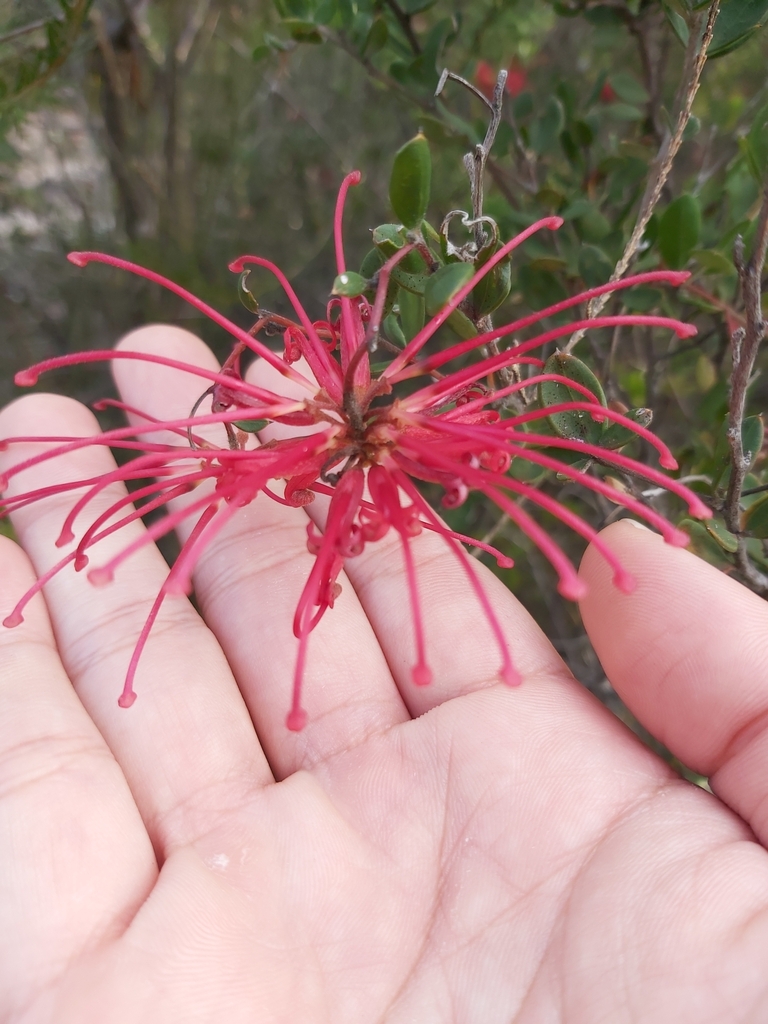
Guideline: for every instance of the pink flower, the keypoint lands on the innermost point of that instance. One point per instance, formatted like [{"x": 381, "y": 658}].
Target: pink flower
[{"x": 365, "y": 448}]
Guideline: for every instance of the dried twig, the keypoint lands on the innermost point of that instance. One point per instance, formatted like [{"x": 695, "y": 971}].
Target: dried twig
[
  {"x": 745, "y": 344},
  {"x": 695, "y": 59}
]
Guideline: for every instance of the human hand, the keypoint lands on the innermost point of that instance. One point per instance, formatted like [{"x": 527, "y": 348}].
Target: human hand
[{"x": 458, "y": 852}]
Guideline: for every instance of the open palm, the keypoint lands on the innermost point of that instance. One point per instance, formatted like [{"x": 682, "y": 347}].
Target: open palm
[{"x": 459, "y": 852}]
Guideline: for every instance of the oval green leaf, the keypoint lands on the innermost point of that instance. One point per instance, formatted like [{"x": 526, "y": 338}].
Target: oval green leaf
[
  {"x": 250, "y": 426},
  {"x": 443, "y": 285},
  {"x": 679, "y": 231},
  {"x": 410, "y": 183},
  {"x": 615, "y": 435},
  {"x": 411, "y": 313},
  {"x": 349, "y": 285},
  {"x": 579, "y": 424}
]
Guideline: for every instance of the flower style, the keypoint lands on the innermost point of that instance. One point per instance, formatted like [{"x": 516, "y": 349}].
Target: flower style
[{"x": 366, "y": 447}]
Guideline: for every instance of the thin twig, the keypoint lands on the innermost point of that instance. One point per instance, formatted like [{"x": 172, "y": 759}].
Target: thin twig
[
  {"x": 695, "y": 59},
  {"x": 475, "y": 161},
  {"x": 745, "y": 344},
  {"x": 23, "y": 30}
]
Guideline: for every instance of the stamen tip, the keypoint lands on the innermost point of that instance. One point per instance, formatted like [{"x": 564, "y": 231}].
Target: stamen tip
[
  {"x": 126, "y": 698},
  {"x": 668, "y": 461},
  {"x": 100, "y": 577},
  {"x": 572, "y": 589},
  {"x": 505, "y": 563},
  {"x": 236, "y": 266},
  {"x": 296, "y": 719},
  {"x": 510, "y": 675},
  {"x": 678, "y": 538},
  {"x": 699, "y": 510},
  {"x": 624, "y": 581},
  {"x": 421, "y": 675},
  {"x": 26, "y": 378},
  {"x": 65, "y": 537},
  {"x": 14, "y": 619},
  {"x": 81, "y": 561},
  {"x": 686, "y": 331},
  {"x": 80, "y": 259}
]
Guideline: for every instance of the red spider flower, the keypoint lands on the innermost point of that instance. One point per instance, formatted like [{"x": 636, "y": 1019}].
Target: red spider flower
[{"x": 366, "y": 447}]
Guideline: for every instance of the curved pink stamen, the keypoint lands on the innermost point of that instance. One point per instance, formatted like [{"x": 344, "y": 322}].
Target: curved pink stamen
[
  {"x": 82, "y": 259},
  {"x": 325, "y": 369}
]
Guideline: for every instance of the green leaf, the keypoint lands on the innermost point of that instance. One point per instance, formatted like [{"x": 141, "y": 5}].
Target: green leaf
[
  {"x": 349, "y": 285},
  {"x": 411, "y": 313},
  {"x": 302, "y": 31},
  {"x": 444, "y": 284},
  {"x": 377, "y": 37},
  {"x": 594, "y": 266},
  {"x": 736, "y": 22},
  {"x": 755, "y": 519},
  {"x": 593, "y": 226},
  {"x": 372, "y": 263},
  {"x": 546, "y": 131},
  {"x": 752, "y": 436},
  {"x": 489, "y": 293},
  {"x": 716, "y": 528},
  {"x": 616, "y": 435},
  {"x": 624, "y": 112},
  {"x": 628, "y": 89},
  {"x": 679, "y": 231},
  {"x": 713, "y": 262},
  {"x": 393, "y": 331},
  {"x": 578, "y": 424},
  {"x": 250, "y": 426},
  {"x": 410, "y": 183},
  {"x": 388, "y": 238},
  {"x": 755, "y": 145}
]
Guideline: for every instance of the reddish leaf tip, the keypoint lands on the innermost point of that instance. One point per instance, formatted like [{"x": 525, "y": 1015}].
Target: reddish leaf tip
[
  {"x": 14, "y": 619},
  {"x": 80, "y": 259},
  {"x": 421, "y": 675},
  {"x": 26, "y": 378},
  {"x": 296, "y": 719},
  {"x": 126, "y": 698}
]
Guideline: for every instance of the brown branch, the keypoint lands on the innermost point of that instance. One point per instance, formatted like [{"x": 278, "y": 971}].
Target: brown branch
[
  {"x": 404, "y": 21},
  {"x": 695, "y": 59}
]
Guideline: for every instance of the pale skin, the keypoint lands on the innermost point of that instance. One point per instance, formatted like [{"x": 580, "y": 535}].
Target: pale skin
[{"x": 462, "y": 852}]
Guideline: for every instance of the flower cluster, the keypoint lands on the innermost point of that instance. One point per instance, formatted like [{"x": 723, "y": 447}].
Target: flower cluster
[{"x": 358, "y": 439}]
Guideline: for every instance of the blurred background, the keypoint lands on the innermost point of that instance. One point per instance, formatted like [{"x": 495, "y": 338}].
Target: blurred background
[{"x": 183, "y": 133}]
